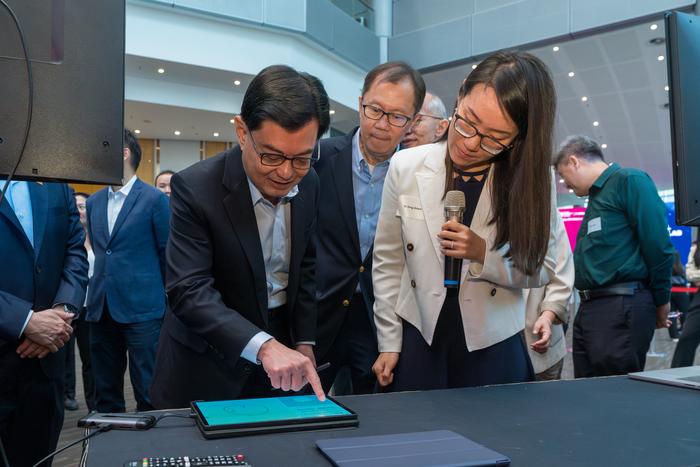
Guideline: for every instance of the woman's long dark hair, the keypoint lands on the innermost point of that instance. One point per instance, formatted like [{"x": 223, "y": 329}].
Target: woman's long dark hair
[{"x": 521, "y": 189}]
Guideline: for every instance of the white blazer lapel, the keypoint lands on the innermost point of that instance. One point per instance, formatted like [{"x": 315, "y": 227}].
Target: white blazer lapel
[{"x": 431, "y": 187}]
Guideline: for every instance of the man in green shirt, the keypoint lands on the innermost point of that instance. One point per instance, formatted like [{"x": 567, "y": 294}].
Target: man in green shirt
[{"x": 623, "y": 259}]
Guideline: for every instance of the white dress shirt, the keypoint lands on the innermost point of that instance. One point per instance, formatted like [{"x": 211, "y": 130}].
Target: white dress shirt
[{"x": 115, "y": 202}]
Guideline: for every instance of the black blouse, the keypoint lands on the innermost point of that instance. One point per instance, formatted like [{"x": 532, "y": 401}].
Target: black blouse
[{"x": 471, "y": 184}]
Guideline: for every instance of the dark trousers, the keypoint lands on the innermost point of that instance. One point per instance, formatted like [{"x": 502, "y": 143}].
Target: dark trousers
[
  {"x": 81, "y": 337},
  {"x": 612, "y": 334},
  {"x": 354, "y": 348},
  {"x": 110, "y": 342},
  {"x": 31, "y": 409},
  {"x": 690, "y": 336},
  {"x": 447, "y": 363}
]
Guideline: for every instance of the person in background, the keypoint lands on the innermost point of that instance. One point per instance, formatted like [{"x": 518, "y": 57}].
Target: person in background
[
  {"x": 680, "y": 301},
  {"x": 429, "y": 125},
  {"x": 128, "y": 227},
  {"x": 684, "y": 354},
  {"x": 550, "y": 303},
  {"x": 497, "y": 153},
  {"x": 81, "y": 329},
  {"x": 352, "y": 172},
  {"x": 42, "y": 286},
  {"x": 162, "y": 181},
  {"x": 623, "y": 260}
]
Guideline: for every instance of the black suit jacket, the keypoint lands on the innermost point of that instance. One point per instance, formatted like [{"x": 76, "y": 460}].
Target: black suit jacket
[
  {"x": 53, "y": 271},
  {"x": 216, "y": 283},
  {"x": 339, "y": 264}
]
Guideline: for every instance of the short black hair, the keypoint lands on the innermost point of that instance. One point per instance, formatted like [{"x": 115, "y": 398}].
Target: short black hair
[
  {"x": 164, "y": 172},
  {"x": 580, "y": 146},
  {"x": 132, "y": 144},
  {"x": 287, "y": 97},
  {"x": 395, "y": 72}
]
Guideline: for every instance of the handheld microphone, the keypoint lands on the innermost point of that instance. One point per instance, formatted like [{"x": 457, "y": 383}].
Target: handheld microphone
[{"x": 454, "y": 209}]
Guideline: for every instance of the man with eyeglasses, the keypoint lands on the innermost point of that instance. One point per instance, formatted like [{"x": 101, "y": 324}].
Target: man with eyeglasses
[
  {"x": 430, "y": 124},
  {"x": 241, "y": 255},
  {"x": 352, "y": 170}
]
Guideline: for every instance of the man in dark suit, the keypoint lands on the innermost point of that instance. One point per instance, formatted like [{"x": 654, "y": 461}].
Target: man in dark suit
[
  {"x": 42, "y": 283},
  {"x": 241, "y": 256},
  {"x": 128, "y": 227},
  {"x": 352, "y": 171}
]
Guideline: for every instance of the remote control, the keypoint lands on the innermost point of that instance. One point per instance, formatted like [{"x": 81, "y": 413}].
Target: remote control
[{"x": 187, "y": 461}]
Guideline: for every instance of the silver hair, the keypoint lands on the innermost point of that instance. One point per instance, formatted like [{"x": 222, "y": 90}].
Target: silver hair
[{"x": 435, "y": 105}]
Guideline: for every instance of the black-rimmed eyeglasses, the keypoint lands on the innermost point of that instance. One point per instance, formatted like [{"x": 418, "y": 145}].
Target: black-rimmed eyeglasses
[
  {"x": 272, "y": 159},
  {"x": 375, "y": 113},
  {"x": 487, "y": 143}
]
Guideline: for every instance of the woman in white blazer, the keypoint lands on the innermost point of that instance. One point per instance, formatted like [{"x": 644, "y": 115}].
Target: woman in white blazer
[{"x": 498, "y": 153}]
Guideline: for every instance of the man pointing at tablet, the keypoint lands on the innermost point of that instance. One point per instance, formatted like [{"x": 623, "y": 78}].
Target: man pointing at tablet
[{"x": 240, "y": 258}]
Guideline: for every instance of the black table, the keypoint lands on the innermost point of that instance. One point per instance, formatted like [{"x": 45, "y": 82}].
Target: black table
[{"x": 612, "y": 421}]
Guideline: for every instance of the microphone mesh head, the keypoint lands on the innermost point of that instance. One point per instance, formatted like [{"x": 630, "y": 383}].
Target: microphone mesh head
[{"x": 455, "y": 200}]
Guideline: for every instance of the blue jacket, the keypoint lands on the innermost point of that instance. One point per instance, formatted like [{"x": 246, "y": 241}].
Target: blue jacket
[
  {"x": 129, "y": 272},
  {"x": 53, "y": 272}
]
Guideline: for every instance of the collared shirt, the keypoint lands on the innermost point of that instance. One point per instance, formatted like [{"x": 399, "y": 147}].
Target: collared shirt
[
  {"x": 367, "y": 184},
  {"x": 20, "y": 201},
  {"x": 273, "y": 225},
  {"x": 115, "y": 202},
  {"x": 624, "y": 235}
]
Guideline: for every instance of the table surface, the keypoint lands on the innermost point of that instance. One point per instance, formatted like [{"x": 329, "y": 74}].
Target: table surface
[{"x": 612, "y": 421}]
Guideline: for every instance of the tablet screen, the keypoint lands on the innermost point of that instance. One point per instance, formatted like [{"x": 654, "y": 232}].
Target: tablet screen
[{"x": 267, "y": 410}]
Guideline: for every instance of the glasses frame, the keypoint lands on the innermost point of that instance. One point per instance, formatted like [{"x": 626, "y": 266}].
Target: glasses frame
[
  {"x": 283, "y": 157},
  {"x": 482, "y": 136},
  {"x": 388, "y": 115},
  {"x": 428, "y": 116}
]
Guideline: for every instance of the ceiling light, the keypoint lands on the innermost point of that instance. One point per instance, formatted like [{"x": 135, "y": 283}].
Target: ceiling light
[
  {"x": 237, "y": 83},
  {"x": 660, "y": 58},
  {"x": 665, "y": 88},
  {"x": 653, "y": 27},
  {"x": 216, "y": 134},
  {"x": 138, "y": 132},
  {"x": 561, "y": 181},
  {"x": 474, "y": 67},
  {"x": 555, "y": 48},
  {"x": 570, "y": 190},
  {"x": 571, "y": 74},
  {"x": 584, "y": 99},
  {"x": 177, "y": 132},
  {"x": 596, "y": 123},
  {"x": 332, "y": 112},
  {"x": 161, "y": 71},
  {"x": 232, "y": 121},
  {"x": 604, "y": 146}
]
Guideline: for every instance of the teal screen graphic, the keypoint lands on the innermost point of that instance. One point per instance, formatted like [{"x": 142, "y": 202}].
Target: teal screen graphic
[{"x": 244, "y": 411}]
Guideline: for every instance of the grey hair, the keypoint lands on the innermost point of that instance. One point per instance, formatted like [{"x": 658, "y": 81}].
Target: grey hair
[
  {"x": 435, "y": 105},
  {"x": 579, "y": 146}
]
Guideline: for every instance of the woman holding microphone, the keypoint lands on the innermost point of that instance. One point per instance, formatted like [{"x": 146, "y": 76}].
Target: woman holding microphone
[{"x": 498, "y": 154}]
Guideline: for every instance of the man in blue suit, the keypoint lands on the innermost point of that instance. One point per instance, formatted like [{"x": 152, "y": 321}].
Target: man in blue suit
[
  {"x": 128, "y": 226},
  {"x": 43, "y": 276}
]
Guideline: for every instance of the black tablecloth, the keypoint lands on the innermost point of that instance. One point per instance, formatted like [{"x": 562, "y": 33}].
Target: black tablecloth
[{"x": 612, "y": 421}]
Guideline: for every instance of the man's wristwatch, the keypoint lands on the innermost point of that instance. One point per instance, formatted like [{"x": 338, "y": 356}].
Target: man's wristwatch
[{"x": 68, "y": 308}]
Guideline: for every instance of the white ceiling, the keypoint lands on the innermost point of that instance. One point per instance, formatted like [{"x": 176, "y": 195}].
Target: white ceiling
[
  {"x": 621, "y": 76},
  {"x": 161, "y": 121}
]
